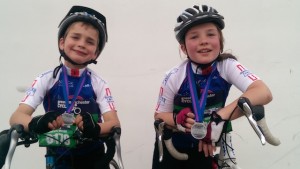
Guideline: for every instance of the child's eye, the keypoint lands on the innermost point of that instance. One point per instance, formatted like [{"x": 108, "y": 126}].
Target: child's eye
[
  {"x": 194, "y": 37},
  {"x": 211, "y": 34},
  {"x": 75, "y": 37},
  {"x": 91, "y": 42}
]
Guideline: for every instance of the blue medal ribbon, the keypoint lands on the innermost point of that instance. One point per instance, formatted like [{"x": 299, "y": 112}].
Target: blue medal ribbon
[
  {"x": 198, "y": 108},
  {"x": 69, "y": 106}
]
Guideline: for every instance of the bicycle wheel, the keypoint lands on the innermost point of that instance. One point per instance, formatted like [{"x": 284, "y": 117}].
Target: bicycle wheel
[{"x": 113, "y": 164}]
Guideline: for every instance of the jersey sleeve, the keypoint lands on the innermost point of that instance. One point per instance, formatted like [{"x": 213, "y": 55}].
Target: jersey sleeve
[
  {"x": 103, "y": 94},
  {"x": 237, "y": 74},
  {"x": 169, "y": 87},
  {"x": 36, "y": 92}
]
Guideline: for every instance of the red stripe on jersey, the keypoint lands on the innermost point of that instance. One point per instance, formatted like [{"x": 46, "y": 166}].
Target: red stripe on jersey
[
  {"x": 161, "y": 91},
  {"x": 28, "y": 93},
  {"x": 34, "y": 82},
  {"x": 110, "y": 103}
]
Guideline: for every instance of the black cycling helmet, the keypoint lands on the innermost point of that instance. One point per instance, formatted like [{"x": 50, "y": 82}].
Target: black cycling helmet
[
  {"x": 88, "y": 15},
  {"x": 194, "y": 16}
]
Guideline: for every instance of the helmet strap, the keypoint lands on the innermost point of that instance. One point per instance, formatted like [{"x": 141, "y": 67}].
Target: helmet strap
[{"x": 56, "y": 69}]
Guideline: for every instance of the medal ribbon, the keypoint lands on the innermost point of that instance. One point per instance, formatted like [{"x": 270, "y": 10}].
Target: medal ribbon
[
  {"x": 199, "y": 108},
  {"x": 70, "y": 106}
]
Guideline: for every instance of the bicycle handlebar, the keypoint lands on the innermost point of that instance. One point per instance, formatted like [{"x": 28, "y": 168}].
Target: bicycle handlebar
[
  {"x": 163, "y": 133},
  {"x": 256, "y": 118},
  {"x": 254, "y": 114},
  {"x": 17, "y": 132}
]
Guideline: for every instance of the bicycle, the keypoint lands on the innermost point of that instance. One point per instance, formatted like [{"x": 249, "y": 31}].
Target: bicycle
[
  {"x": 16, "y": 136},
  {"x": 255, "y": 116}
]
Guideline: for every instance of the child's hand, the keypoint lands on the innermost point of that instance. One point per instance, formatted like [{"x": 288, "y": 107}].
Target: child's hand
[
  {"x": 184, "y": 120},
  {"x": 78, "y": 121},
  {"x": 56, "y": 124},
  {"x": 44, "y": 123},
  {"x": 207, "y": 148},
  {"x": 86, "y": 124},
  {"x": 214, "y": 131}
]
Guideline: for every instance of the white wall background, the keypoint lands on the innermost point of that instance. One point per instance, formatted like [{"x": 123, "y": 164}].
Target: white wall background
[{"x": 264, "y": 34}]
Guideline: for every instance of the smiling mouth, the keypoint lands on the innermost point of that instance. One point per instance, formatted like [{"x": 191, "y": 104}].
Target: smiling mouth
[
  {"x": 80, "y": 53},
  {"x": 204, "y": 51}
]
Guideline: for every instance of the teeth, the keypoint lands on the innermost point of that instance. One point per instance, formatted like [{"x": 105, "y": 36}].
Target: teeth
[{"x": 204, "y": 50}]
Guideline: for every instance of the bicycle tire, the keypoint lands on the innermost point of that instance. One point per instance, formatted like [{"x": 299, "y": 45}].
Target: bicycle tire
[{"x": 113, "y": 164}]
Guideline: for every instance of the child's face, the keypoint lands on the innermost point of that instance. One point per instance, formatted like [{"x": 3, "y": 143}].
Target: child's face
[
  {"x": 202, "y": 43},
  {"x": 80, "y": 43}
]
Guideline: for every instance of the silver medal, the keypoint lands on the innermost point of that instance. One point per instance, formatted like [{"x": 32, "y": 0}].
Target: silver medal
[
  {"x": 68, "y": 118},
  {"x": 198, "y": 130}
]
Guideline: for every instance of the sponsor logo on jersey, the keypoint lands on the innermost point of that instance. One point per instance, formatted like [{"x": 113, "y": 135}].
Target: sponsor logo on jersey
[
  {"x": 109, "y": 99},
  {"x": 246, "y": 73},
  {"x": 76, "y": 109},
  {"x": 168, "y": 75},
  {"x": 30, "y": 91},
  {"x": 87, "y": 85},
  {"x": 186, "y": 100}
]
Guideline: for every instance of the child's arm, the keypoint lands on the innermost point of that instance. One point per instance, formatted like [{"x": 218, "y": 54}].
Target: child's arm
[
  {"x": 258, "y": 93},
  {"x": 22, "y": 115},
  {"x": 110, "y": 120}
]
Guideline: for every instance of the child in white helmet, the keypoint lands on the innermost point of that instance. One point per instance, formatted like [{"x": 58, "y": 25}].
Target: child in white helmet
[{"x": 193, "y": 94}]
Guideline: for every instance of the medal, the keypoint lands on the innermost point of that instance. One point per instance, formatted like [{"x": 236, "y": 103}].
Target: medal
[
  {"x": 198, "y": 130},
  {"x": 68, "y": 118}
]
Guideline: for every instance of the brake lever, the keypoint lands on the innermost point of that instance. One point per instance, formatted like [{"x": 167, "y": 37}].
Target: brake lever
[
  {"x": 159, "y": 128},
  {"x": 256, "y": 118},
  {"x": 165, "y": 134},
  {"x": 116, "y": 137}
]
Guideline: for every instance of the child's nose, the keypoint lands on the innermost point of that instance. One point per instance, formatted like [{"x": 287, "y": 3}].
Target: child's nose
[
  {"x": 81, "y": 43},
  {"x": 203, "y": 41}
]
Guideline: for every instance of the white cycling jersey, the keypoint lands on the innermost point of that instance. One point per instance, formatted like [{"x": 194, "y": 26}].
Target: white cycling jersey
[
  {"x": 230, "y": 70},
  {"x": 47, "y": 89}
]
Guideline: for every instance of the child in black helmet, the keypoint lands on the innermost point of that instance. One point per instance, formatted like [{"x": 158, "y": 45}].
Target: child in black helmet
[
  {"x": 74, "y": 96},
  {"x": 193, "y": 94}
]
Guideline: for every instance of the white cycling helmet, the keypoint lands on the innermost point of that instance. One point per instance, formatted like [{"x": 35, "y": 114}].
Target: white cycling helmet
[{"x": 194, "y": 16}]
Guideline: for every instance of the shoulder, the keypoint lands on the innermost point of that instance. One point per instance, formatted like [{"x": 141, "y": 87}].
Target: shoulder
[
  {"x": 175, "y": 72},
  {"x": 227, "y": 62},
  {"x": 46, "y": 74},
  {"x": 178, "y": 68},
  {"x": 235, "y": 73},
  {"x": 230, "y": 65},
  {"x": 46, "y": 77},
  {"x": 95, "y": 78},
  {"x": 227, "y": 68}
]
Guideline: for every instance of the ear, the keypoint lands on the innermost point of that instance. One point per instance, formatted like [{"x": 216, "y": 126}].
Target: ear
[
  {"x": 183, "y": 48},
  {"x": 61, "y": 43}
]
